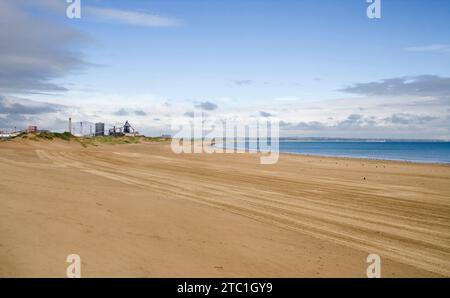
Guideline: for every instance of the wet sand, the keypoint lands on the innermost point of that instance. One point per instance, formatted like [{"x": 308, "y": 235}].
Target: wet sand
[{"x": 142, "y": 211}]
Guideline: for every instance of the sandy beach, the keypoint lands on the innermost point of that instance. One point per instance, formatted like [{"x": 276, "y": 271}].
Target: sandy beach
[{"x": 139, "y": 210}]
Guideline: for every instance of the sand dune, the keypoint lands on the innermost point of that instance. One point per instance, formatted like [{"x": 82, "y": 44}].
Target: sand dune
[{"x": 141, "y": 210}]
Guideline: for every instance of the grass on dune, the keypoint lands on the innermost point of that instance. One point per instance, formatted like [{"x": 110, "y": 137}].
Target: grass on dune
[
  {"x": 111, "y": 140},
  {"x": 93, "y": 141}
]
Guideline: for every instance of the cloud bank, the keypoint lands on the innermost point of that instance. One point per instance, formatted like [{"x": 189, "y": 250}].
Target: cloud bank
[
  {"x": 424, "y": 85},
  {"x": 34, "y": 52}
]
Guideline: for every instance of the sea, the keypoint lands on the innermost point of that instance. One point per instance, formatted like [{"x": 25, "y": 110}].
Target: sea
[{"x": 400, "y": 150}]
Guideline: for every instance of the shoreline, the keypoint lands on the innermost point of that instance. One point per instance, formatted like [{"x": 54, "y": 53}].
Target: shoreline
[
  {"x": 344, "y": 157},
  {"x": 371, "y": 159}
]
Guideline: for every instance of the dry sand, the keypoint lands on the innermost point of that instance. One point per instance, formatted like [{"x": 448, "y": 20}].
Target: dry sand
[{"x": 141, "y": 211}]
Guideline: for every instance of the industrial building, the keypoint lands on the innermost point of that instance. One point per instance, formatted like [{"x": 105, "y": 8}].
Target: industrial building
[
  {"x": 125, "y": 130},
  {"x": 99, "y": 129}
]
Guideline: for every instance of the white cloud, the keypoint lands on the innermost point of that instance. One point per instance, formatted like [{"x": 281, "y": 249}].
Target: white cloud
[
  {"x": 288, "y": 98},
  {"x": 131, "y": 17},
  {"x": 438, "y": 48}
]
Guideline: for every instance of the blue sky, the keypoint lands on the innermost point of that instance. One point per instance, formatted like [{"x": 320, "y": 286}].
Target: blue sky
[
  {"x": 296, "y": 60},
  {"x": 289, "y": 43}
]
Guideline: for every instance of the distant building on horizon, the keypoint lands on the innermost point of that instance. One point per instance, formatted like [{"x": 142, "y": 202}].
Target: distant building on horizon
[
  {"x": 32, "y": 129},
  {"x": 99, "y": 129}
]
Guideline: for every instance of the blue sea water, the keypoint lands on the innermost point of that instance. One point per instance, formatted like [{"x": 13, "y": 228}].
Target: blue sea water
[{"x": 414, "y": 151}]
